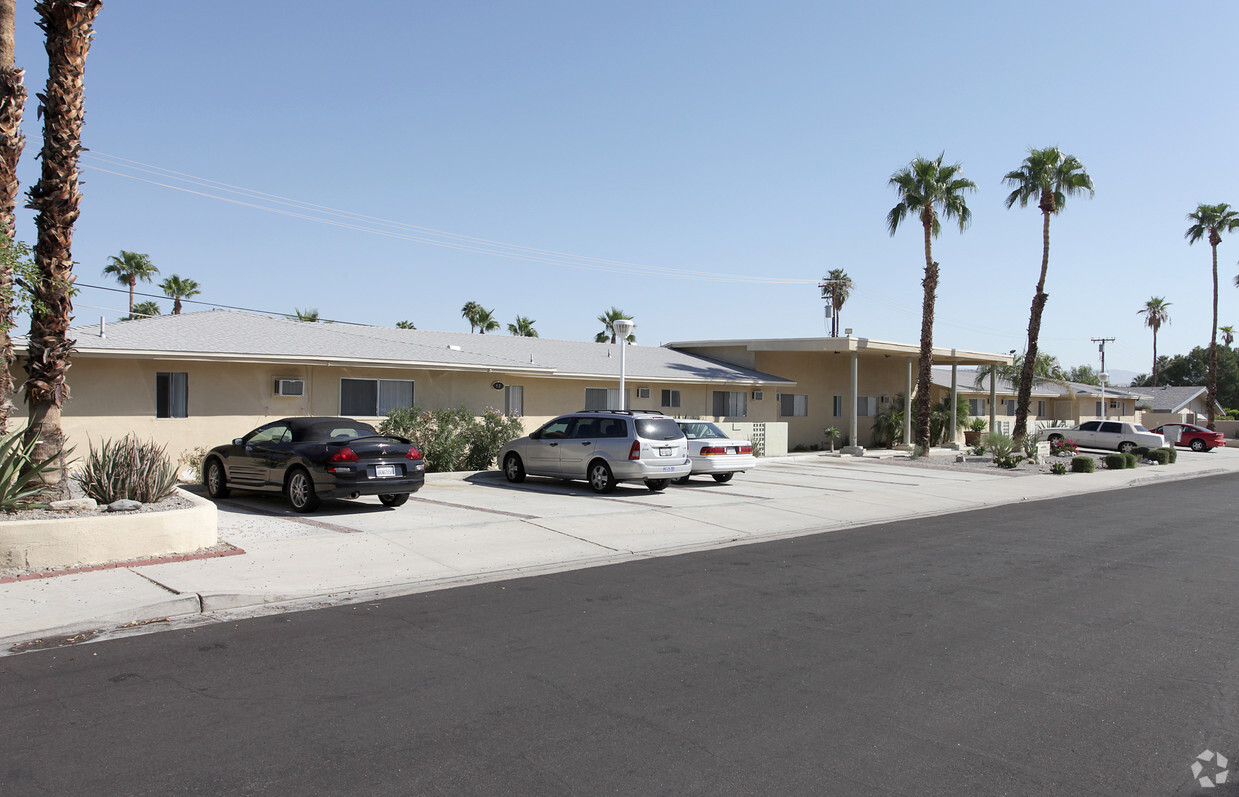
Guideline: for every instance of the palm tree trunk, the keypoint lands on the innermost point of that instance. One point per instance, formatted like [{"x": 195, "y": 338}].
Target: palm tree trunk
[
  {"x": 12, "y": 142},
  {"x": 1154, "y": 357},
  {"x": 930, "y": 284},
  {"x": 1024, "y": 397},
  {"x": 68, "y": 25},
  {"x": 1214, "y": 240},
  {"x": 176, "y": 305}
]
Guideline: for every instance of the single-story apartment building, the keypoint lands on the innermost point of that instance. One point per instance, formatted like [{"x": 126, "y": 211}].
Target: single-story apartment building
[
  {"x": 202, "y": 378},
  {"x": 1160, "y": 405}
]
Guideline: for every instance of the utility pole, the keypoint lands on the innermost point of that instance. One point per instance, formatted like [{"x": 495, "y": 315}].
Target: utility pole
[
  {"x": 832, "y": 312},
  {"x": 1101, "y": 347}
]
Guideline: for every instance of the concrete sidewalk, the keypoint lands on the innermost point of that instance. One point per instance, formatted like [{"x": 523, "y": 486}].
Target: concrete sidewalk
[{"x": 466, "y": 528}]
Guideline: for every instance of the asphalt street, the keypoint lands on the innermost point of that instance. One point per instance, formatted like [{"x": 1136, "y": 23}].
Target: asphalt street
[{"x": 1078, "y": 646}]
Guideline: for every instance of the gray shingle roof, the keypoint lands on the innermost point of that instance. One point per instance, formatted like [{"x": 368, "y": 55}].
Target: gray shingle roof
[
  {"x": 966, "y": 378},
  {"x": 1168, "y": 399},
  {"x": 236, "y": 335}
]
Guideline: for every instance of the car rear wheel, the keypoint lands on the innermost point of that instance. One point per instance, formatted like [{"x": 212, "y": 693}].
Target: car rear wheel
[
  {"x": 601, "y": 479},
  {"x": 657, "y": 485},
  {"x": 1054, "y": 438},
  {"x": 1198, "y": 445},
  {"x": 301, "y": 493},
  {"x": 400, "y": 499},
  {"x": 513, "y": 470},
  {"x": 1126, "y": 446},
  {"x": 214, "y": 479},
  {"x": 723, "y": 477}
]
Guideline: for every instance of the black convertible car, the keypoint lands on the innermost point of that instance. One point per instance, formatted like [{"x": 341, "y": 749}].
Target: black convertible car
[{"x": 308, "y": 459}]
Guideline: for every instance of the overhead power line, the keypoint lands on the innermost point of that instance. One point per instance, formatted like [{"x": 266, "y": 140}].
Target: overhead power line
[{"x": 372, "y": 225}]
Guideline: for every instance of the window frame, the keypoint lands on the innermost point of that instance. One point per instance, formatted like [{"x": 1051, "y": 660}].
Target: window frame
[
  {"x": 167, "y": 402},
  {"x": 378, "y": 396}
]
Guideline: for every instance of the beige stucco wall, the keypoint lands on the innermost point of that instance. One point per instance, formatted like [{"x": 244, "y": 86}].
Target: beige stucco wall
[{"x": 112, "y": 397}]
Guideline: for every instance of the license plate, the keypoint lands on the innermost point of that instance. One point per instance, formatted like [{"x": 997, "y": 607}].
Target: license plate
[
  {"x": 669, "y": 468},
  {"x": 666, "y": 452},
  {"x": 384, "y": 471}
]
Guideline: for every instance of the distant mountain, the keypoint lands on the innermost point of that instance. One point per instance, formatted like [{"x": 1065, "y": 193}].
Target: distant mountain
[{"x": 1122, "y": 378}]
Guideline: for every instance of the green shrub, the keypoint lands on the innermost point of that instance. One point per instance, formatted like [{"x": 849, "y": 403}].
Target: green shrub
[
  {"x": 1160, "y": 455},
  {"x": 191, "y": 460},
  {"x": 1083, "y": 464},
  {"x": 18, "y": 470},
  {"x": 127, "y": 468},
  {"x": 1009, "y": 461},
  {"x": 1140, "y": 451},
  {"x": 1115, "y": 461},
  {"x": 1174, "y": 454},
  {"x": 1058, "y": 469},
  {"x": 1133, "y": 461},
  {"x": 452, "y": 440}
]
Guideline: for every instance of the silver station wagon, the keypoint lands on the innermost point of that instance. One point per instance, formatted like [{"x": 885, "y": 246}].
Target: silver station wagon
[{"x": 603, "y": 447}]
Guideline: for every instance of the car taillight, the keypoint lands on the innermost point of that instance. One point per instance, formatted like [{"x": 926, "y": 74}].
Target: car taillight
[
  {"x": 413, "y": 453},
  {"x": 708, "y": 450},
  {"x": 746, "y": 449},
  {"x": 635, "y": 451},
  {"x": 344, "y": 454}
]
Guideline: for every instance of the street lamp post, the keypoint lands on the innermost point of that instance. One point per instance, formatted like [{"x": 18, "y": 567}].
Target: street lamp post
[{"x": 622, "y": 327}]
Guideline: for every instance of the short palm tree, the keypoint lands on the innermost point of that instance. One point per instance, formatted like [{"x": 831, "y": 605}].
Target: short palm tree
[
  {"x": 486, "y": 321},
  {"x": 1155, "y": 314},
  {"x": 129, "y": 268},
  {"x": 308, "y": 314},
  {"x": 838, "y": 289},
  {"x": 470, "y": 313},
  {"x": 1209, "y": 222},
  {"x": 607, "y": 320},
  {"x": 144, "y": 310},
  {"x": 1048, "y": 176},
  {"x": 928, "y": 190},
  {"x": 1228, "y": 335},
  {"x": 179, "y": 288},
  {"x": 523, "y": 327},
  {"x": 405, "y": 325}
]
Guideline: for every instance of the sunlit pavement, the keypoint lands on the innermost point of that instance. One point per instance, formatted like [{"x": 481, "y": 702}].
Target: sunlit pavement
[{"x": 467, "y": 527}]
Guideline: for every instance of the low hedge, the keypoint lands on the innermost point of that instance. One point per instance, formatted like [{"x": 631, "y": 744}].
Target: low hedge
[
  {"x": 1140, "y": 451},
  {"x": 1132, "y": 460},
  {"x": 1115, "y": 461},
  {"x": 1083, "y": 464},
  {"x": 1174, "y": 454},
  {"x": 1160, "y": 455}
]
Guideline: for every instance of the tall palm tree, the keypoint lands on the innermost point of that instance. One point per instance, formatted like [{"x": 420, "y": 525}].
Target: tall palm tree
[
  {"x": 1049, "y": 176},
  {"x": 68, "y": 26},
  {"x": 523, "y": 327},
  {"x": 839, "y": 289},
  {"x": 928, "y": 189},
  {"x": 470, "y": 313},
  {"x": 607, "y": 320},
  {"x": 179, "y": 288},
  {"x": 1155, "y": 314},
  {"x": 405, "y": 325},
  {"x": 12, "y": 142},
  {"x": 1209, "y": 222},
  {"x": 486, "y": 321},
  {"x": 1228, "y": 335},
  {"x": 129, "y": 268}
]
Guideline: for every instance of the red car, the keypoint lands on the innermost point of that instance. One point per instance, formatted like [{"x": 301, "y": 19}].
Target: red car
[{"x": 1195, "y": 437}]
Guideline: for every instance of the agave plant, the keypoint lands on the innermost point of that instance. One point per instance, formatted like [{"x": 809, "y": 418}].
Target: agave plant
[
  {"x": 18, "y": 470},
  {"x": 127, "y": 468}
]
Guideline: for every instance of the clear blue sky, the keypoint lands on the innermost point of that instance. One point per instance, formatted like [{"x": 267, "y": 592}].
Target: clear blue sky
[{"x": 748, "y": 140}]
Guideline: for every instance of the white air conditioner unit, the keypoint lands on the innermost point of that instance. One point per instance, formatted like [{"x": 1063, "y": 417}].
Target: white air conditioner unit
[
  {"x": 643, "y": 392},
  {"x": 758, "y": 395},
  {"x": 290, "y": 387}
]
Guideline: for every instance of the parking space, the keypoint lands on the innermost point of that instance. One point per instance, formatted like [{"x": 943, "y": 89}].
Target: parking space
[{"x": 784, "y": 493}]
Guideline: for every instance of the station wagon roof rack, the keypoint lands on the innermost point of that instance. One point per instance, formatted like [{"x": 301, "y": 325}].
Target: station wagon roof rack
[{"x": 625, "y": 412}]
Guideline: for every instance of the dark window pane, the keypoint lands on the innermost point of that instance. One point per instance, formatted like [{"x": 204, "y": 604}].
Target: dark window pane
[{"x": 359, "y": 397}]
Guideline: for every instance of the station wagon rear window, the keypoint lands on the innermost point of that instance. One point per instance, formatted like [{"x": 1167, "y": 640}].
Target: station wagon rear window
[{"x": 658, "y": 429}]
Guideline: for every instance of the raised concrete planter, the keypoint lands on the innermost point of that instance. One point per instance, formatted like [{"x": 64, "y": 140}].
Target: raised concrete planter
[{"x": 97, "y": 539}]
